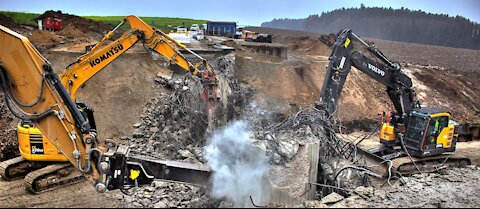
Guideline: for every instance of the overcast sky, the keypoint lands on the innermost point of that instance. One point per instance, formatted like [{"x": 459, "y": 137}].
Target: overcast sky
[{"x": 245, "y": 12}]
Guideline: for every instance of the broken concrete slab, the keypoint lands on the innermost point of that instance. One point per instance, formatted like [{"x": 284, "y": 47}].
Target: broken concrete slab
[
  {"x": 314, "y": 204},
  {"x": 332, "y": 199},
  {"x": 288, "y": 149}
]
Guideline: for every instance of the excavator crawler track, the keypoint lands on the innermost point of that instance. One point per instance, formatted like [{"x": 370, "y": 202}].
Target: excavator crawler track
[
  {"x": 52, "y": 177},
  {"x": 18, "y": 167},
  {"x": 405, "y": 166},
  {"x": 432, "y": 164}
]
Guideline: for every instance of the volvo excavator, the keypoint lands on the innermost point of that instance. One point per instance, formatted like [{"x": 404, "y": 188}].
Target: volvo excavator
[
  {"x": 57, "y": 135},
  {"x": 413, "y": 131}
]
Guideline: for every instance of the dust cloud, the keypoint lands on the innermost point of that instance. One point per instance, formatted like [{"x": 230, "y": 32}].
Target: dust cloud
[{"x": 240, "y": 167}]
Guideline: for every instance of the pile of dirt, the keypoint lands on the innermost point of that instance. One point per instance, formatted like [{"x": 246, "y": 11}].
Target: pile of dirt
[
  {"x": 82, "y": 24},
  {"x": 43, "y": 39},
  {"x": 8, "y": 135},
  {"x": 310, "y": 46},
  {"x": 70, "y": 31},
  {"x": 328, "y": 40}
]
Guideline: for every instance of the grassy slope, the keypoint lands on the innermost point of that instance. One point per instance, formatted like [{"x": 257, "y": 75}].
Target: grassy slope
[
  {"x": 163, "y": 23},
  {"x": 22, "y": 17}
]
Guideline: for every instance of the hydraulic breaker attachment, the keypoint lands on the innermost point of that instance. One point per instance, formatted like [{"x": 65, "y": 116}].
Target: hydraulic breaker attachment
[{"x": 124, "y": 169}]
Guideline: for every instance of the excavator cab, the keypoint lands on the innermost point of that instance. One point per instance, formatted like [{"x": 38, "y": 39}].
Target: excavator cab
[{"x": 429, "y": 133}]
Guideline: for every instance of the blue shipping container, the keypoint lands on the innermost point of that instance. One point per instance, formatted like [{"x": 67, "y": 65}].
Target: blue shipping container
[{"x": 218, "y": 28}]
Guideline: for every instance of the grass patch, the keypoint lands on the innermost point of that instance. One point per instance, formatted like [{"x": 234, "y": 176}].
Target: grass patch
[
  {"x": 23, "y": 18},
  {"x": 163, "y": 23}
]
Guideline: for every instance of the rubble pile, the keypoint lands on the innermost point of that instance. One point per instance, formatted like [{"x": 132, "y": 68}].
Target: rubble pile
[
  {"x": 435, "y": 190},
  {"x": 175, "y": 126},
  {"x": 8, "y": 136},
  {"x": 172, "y": 122},
  {"x": 285, "y": 145},
  {"x": 166, "y": 195}
]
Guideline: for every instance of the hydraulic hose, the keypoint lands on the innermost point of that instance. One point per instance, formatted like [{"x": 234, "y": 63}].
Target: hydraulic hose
[{"x": 3, "y": 81}]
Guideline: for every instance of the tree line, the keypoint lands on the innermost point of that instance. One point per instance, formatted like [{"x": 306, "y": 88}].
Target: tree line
[{"x": 404, "y": 25}]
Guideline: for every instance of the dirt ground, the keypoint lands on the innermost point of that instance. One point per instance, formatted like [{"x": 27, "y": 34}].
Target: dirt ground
[
  {"x": 82, "y": 195},
  {"x": 119, "y": 92}
]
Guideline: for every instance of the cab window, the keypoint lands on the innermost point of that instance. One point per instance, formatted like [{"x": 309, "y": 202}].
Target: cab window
[{"x": 435, "y": 127}]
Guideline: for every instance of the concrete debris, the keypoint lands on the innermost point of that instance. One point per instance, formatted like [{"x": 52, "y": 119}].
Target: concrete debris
[
  {"x": 332, "y": 199},
  {"x": 364, "y": 192},
  {"x": 424, "y": 190},
  {"x": 314, "y": 204},
  {"x": 165, "y": 76},
  {"x": 351, "y": 202},
  {"x": 277, "y": 158},
  {"x": 138, "y": 134},
  {"x": 185, "y": 154},
  {"x": 288, "y": 149},
  {"x": 137, "y": 125}
]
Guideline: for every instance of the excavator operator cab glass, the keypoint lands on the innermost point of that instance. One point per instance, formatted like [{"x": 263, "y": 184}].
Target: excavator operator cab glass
[
  {"x": 435, "y": 127},
  {"x": 425, "y": 127},
  {"x": 417, "y": 126}
]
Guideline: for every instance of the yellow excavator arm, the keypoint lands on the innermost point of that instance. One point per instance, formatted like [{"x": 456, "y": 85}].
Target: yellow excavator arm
[
  {"x": 33, "y": 92},
  {"x": 103, "y": 54}
]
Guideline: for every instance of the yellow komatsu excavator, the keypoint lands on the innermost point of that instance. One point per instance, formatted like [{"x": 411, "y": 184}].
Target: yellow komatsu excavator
[{"x": 56, "y": 132}]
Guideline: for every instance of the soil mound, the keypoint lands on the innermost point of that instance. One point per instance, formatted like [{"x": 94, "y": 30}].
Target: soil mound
[
  {"x": 71, "y": 31},
  {"x": 43, "y": 39},
  {"x": 82, "y": 24}
]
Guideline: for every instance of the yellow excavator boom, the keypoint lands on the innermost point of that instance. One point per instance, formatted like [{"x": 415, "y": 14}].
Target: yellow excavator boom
[{"x": 103, "y": 54}]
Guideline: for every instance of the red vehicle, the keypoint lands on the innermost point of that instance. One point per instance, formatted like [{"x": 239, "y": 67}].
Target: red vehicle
[
  {"x": 57, "y": 24},
  {"x": 47, "y": 23},
  {"x": 54, "y": 24}
]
